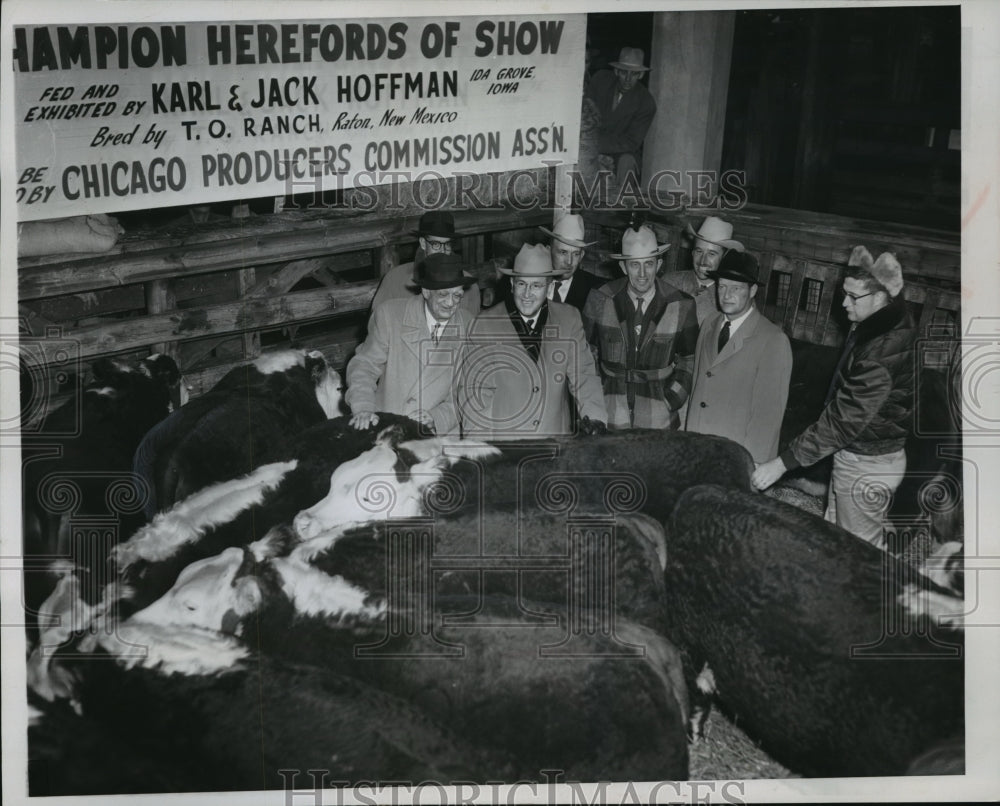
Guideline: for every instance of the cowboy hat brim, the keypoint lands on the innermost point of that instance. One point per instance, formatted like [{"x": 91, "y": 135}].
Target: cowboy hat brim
[
  {"x": 567, "y": 241},
  {"x": 657, "y": 253},
  {"x": 725, "y": 243},
  {"x": 626, "y": 66},
  {"x": 514, "y": 273}
]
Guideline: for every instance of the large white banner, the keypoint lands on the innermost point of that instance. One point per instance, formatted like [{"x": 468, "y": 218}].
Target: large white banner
[{"x": 124, "y": 116}]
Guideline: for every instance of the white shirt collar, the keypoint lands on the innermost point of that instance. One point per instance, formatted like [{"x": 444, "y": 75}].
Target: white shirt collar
[
  {"x": 646, "y": 298},
  {"x": 431, "y": 321},
  {"x": 563, "y": 289},
  {"x": 734, "y": 324}
]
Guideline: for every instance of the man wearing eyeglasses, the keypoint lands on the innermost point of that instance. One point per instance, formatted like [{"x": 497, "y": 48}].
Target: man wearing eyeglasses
[
  {"x": 869, "y": 405},
  {"x": 643, "y": 332},
  {"x": 527, "y": 363},
  {"x": 435, "y": 234},
  {"x": 407, "y": 363}
]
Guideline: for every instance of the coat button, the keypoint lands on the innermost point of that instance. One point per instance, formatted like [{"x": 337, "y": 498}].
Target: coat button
[
  {"x": 708, "y": 374},
  {"x": 534, "y": 388},
  {"x": 534, "y": 422},
  {"x": 704, "y": 405}
]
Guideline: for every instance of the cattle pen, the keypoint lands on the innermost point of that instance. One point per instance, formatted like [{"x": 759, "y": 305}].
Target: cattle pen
[{"x": 304, "y": 590}]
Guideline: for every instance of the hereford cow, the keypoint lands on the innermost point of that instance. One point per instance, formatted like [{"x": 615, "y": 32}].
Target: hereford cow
[
  {"x": 810, "y": 649},
  {"x": 238, "y": 511},
  {"x": 252, "y": 723},
  {"x": 78, "y": 464},
  {"x": 225, "y": 433},
  {"x": 622, "y": 472},
  {"x": 603, "y": 706}
]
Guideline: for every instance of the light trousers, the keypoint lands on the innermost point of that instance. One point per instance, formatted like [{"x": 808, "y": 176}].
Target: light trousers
[{"x": 861, "y": 489}]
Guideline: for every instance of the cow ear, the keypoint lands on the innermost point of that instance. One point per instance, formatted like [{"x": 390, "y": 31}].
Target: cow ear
[
  {"x": 316, "y": 365},
  {"x": 390, "y": 435},
  {"x": 162, "y": 368},
  {"x": 248, "y": 597}
]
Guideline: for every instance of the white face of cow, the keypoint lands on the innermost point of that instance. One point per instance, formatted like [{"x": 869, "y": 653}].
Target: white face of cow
[
  {"x": 364, "y": 489},
  {"x": 207, "y": 594},
  {"x": 328, "y": 392}
]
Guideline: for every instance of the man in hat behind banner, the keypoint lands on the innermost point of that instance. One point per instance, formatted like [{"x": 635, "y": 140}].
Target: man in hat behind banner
[
  {"x": 527, "y": 363},
  {"x": 435, "y": 234},
  {"x": 869, "y": 405},
  {"x": 627, "y": 110},
  {"x": 571, "y": 284},
  {"x": 407, "y": 363},
  {"x": 742, "y": 366},
  {"x": 713, "y": 240},
  {"x": 643, "y": 333}
]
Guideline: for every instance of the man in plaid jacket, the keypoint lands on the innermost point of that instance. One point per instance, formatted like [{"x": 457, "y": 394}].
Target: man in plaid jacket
[{"x": 643, "y": 332}]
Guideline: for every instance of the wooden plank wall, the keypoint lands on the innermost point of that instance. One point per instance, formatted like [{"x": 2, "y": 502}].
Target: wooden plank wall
[
  {"x": 215, "y": 295},
  {"x": 209, "y": 296}
]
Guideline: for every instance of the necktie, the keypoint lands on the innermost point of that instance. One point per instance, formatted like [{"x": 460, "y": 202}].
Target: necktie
[
  {"x": 638, "y": 321},
  {"x": 618, "y": 99},
  {"x": 723, "y": 336},
  {"x": 530, "y": 324},
  {"x": 436, "y": 333},
  {"x": 556, "y": 287}
]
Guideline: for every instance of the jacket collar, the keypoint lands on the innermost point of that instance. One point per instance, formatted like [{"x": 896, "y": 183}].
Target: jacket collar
[{"x": 882, "y": 321}]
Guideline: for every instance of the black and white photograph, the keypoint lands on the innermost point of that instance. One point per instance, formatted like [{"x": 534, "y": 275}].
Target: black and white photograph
[{"x": 499, "y": 402}]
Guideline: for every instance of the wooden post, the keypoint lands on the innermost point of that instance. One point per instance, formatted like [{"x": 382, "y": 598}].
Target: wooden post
[
  {"x": 385, "y": 258},
  {"x": 246, "y": 280},
  {"x": 159, "y": 299}
]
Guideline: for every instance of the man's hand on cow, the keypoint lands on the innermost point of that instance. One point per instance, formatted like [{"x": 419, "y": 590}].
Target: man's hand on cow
[
  {"x": 364, "y": 419},
  {"x": 767, "y": 473},
  {"x": 425, "y": 420},
  {"x": 590, "y": 427}
]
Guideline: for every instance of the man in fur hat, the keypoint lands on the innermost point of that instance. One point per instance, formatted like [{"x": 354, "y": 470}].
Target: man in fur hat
[
  {"x": 643, "y": 333},
  {"x": 571, "y": 284},
  {"x": 869, "y": 406},
  {"x": 527, "y": 362},
  {"x": 627, "y": 110},
  {"x": 711, "y": 242},
  {"x": 406, "y": 365},
  {"x": 742, "y": 366},
  {"x": 435, "y": 234}
]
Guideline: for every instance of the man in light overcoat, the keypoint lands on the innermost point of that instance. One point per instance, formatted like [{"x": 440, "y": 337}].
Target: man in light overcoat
[
  {"x": 407, "y": 363},
  {"x": 527, "y": 363},
  {"x": 743, "y": 365}
]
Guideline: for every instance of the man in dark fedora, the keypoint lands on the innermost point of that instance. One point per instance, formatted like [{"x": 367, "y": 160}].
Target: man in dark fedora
[
  {"x": 407, "y": 363},
  {"x": 712, "y": 240},
  {"x": 643, "y": 333},
  {"x": 742, "y": 365},
  {"x": 527, "y": 365},
  {"x": 627, "y": 110},
  {"x": 570, "y": 284},
  {"x": 435, "y": 234}
]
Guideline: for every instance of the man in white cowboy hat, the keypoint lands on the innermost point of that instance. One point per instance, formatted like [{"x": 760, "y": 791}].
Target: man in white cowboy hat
[
  {"x": 572, "y": 284},
  {"x": 527, "y": 363},
  {"x": 643, "y": 333},
  {"x": 869, "y": 405},
  {"x": 435, "y": 235},
  {"x": 712, "y": 240},
  {"x": 627, "y": 110},
  {"x": 742, "y": 366},
  {"x": 407, "y": 363}
]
